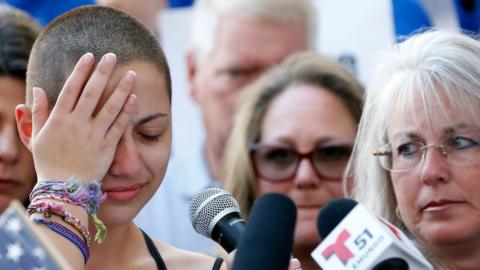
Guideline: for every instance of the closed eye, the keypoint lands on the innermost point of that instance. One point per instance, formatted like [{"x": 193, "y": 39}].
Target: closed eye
[
  {"x": 239, "y": 75},
  {"x": 150, "y": 138}
]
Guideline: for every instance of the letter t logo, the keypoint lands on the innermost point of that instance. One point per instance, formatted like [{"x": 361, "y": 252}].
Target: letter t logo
[{"x": 339, "y": 249}]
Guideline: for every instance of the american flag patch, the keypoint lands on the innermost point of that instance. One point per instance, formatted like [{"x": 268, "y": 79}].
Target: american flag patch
[{"x": 21, "y": 248}]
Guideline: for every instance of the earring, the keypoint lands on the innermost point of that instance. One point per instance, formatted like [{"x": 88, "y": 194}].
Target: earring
[{"x": 397, "y": 212}]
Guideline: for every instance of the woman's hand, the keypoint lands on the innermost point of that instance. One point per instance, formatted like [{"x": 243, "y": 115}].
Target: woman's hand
[
  {"x": 294, "y": 264},
  {"x": 72, "y": 140}
]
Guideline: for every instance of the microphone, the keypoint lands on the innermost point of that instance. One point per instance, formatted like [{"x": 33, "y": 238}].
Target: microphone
[
  {"x": 268, "y": 238},
  {"x": 215, "y": 214},
  {"x": 355, "y": 239}
]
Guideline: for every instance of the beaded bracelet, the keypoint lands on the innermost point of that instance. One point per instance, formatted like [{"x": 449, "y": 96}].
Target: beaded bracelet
[
  {"x": 47, "y": 208},
  {"x": 74, "y": 191},
  {"x": 67, "y": 233}
]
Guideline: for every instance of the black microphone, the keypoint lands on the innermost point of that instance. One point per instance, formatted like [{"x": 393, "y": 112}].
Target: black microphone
[
  {"x": 332, "y": 214},
  {"x": 215, "y": 214},
  {"x": 354, "y": 238},
  {"x": 268, "y": 238}
]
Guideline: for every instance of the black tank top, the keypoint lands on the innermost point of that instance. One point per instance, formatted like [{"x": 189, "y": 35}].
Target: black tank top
[{"x": 158, "y": 259}]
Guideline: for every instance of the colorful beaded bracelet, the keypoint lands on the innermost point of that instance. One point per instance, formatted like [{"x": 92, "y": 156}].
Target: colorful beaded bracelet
[
  {"x": 67, "y": 233},
  {"x": 74, "y": 191},
  {"x": 49, "y": 208}
]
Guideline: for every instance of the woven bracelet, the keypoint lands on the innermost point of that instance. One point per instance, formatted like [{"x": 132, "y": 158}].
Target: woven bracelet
[
  {"x": 47, "y": 210},
  {"x": 67, "y": 233},
  {"x": 74, "y": 191}
]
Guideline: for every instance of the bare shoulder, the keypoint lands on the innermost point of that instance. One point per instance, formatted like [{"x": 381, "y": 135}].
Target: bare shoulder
[{"x": 176, "y": 258}]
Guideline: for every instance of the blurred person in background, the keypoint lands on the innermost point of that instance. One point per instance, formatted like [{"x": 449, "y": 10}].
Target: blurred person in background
[
  {"x": 416, "y": 160},
  {"x": 144, "y": 10},
  {"x": 293, "y": 134},
  {"x": 232, "y": 43},
  {"x": 17, "y": 34}
]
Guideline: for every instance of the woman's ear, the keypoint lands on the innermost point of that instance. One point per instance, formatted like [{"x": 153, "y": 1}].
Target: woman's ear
[
  {"x": 192, "y": 70},
  {"x": 23, "y": 116}
]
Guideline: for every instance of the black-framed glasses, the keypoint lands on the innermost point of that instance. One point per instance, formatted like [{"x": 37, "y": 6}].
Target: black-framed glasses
[
  {"x": 456, "y": 150},
  {"x": 279, "y": 162}
]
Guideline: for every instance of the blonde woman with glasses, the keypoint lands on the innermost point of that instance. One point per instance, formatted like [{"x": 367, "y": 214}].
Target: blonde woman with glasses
[
  {"x": 416, "y": 160},
  {"x": 293, "y": 134}
]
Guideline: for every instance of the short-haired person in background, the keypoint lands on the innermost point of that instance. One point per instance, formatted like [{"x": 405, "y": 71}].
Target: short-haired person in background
[
  {"x": 17, "y": 34},
  {"x": 416, "y": 160},
  {"x": 99, "y": 108},
  {"x": 293, "y": 134},
  {"x": 232, "y": 43}
]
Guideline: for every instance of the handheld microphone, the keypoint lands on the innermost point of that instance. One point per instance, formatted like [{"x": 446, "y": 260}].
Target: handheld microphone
[
  {"x": 215, "y": 214},
  {"x": 268, "y": 238},
  {"x": 355, "y": 239}
]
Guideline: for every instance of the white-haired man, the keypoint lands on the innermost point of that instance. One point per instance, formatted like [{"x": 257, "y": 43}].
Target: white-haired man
[{"x": 233, "y": 42}]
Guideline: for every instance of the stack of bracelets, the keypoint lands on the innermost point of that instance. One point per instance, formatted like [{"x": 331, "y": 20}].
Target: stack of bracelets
[{"x": 48, "y": 198}]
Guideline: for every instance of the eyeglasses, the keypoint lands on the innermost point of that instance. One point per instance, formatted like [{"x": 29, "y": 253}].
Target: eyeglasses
[
  {"x": 459, "y": 151},
  {"x": 279, "y": 162}
]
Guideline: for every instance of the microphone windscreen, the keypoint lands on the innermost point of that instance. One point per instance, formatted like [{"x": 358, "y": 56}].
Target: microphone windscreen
[
  {"x": 332, "y": 214},
  {"x": 208, "y": 207},
  {"x": 268, "y": 238}
]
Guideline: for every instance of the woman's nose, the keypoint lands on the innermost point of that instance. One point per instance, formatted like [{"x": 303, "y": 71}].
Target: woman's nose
[
  {"x": 305, "y": 177},
  {"x": 434, "y": 166},
  {"x": 127, "y": 161},
  {"x": 9, "y": 144}
]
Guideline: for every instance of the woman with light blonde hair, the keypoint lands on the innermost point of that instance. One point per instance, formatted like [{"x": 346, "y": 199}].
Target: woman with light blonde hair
[{"x": 417, "y": 155}]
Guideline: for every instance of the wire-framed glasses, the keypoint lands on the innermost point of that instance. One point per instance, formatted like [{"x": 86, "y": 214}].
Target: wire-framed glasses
[{"x": 459, "y": 151}]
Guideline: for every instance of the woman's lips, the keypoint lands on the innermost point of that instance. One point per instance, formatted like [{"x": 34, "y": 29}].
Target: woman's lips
[
  {"x": 440, "y": 205},
  {"x": 309, "y": 206},
  {"x": 7, "y": 184},
  {"x": 125, "y": 193}
]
